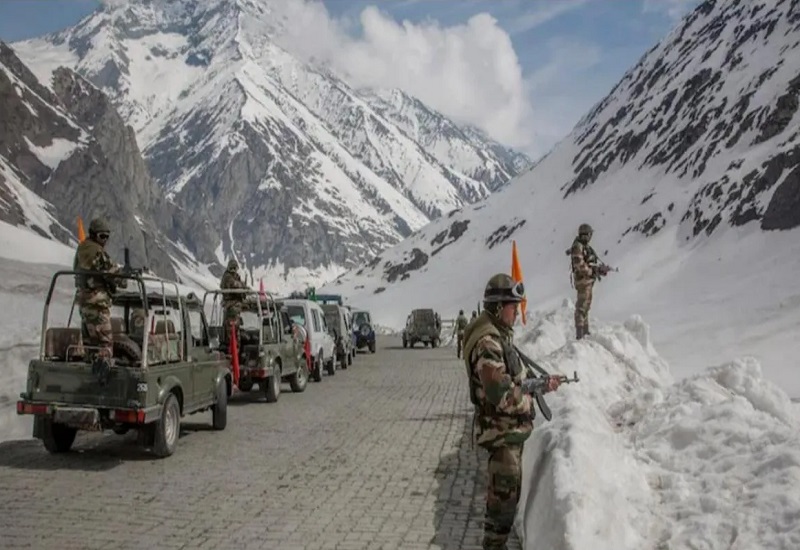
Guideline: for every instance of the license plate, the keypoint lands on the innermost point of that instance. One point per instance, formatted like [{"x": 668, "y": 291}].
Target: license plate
[{"x": 77, "y": 417}]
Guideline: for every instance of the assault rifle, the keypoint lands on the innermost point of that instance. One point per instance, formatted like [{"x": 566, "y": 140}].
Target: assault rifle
[
  {"x": 601, "y": 269},
  {"x": 536, "y": 385}
]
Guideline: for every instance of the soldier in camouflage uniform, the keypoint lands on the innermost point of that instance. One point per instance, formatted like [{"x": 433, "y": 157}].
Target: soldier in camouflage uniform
[
  {"x": 232, "y": 303},
  {"x": 94, "y": 293},
  {"x": 585, "y": 270},
  {"x": 461, "y": 324},
  {"x": 503, "y": 413}
]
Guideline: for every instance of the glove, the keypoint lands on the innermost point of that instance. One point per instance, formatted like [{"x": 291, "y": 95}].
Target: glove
[{"x": 553, "y": 382}]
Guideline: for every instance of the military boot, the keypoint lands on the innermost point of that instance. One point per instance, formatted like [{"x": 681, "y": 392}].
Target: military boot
[
  {"x": 586, "y": 330},
  {"x": 578, "y": 333}
]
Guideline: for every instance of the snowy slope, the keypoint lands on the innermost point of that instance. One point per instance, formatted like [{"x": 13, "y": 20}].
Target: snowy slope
[
  {"x": 689, "y": 172},
  {"x": 301, "y": 175}
]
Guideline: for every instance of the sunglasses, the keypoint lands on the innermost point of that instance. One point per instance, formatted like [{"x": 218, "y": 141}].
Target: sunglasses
[
  {"x": 518, "y": 290},
  {"x": 103, "y": 236}
]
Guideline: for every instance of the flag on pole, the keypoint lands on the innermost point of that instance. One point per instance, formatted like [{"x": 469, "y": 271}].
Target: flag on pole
[
  {"x": 516, "y": 274},
  {"x": 81, "y": 232}
]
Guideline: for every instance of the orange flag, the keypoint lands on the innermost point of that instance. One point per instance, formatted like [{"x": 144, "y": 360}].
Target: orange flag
[
  {"x": 516, "y": 274},
  {"x": 81, "y": 232}
]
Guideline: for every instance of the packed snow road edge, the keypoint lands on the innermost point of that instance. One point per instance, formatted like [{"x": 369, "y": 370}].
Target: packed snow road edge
[{"x": 631, "y": 460}]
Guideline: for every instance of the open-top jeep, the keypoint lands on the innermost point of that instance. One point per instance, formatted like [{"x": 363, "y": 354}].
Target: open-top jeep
[
  {"x": 422, "y": 325},
  {"x": 268, "y": 350},
  {"x": 162, "y": 369}
]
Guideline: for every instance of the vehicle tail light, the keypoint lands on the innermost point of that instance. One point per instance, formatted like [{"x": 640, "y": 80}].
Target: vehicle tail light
[
  {"x": 129, "y": 417},
  {"x": 30, "y": 408}
]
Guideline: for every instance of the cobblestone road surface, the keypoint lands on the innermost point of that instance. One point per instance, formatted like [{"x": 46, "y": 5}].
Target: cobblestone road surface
[{"x": 375, "y": 457}]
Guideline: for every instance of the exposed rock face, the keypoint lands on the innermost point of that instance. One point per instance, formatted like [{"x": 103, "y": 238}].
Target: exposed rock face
[{"x": 67, "y": 145}]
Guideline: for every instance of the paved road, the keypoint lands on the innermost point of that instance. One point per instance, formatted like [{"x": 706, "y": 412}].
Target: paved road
[{"x": 375, "y": 457}]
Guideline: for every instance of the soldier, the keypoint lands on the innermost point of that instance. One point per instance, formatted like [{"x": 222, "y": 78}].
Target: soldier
[
  {"x": 503, "y": 413},
  {"x": 232, "y": 303},
  {"x": 585, "y": 271},
  {"x": 474, "y": 316},
  {"x": 94, "y": 293},
  {"x": 461, "y": 324}
]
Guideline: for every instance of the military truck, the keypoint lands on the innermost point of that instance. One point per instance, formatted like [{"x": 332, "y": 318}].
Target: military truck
[
  {"x": 162, "y": 370},
  {"x": 268, "y": 351},
  {"x": 422, "y": 325}
]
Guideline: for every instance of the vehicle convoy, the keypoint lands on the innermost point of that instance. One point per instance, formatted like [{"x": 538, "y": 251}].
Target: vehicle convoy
[
  {"x": 162, "y": 370},
  {"x": 422, "y": 325},
  {"x": 266, "y": 349},
  {"x": 339, "y": 321},
  {"x": 363, "y": 330}
]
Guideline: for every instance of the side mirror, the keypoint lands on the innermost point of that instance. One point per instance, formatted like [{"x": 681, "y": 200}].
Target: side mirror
[
  {"x": 213, "y": 343},
  {"x": 287, "y": 329}
]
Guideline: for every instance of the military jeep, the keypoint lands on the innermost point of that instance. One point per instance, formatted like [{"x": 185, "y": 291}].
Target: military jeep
[
  {"x": 268, "y": 350},
  {"x": 363, "y": 330},
  {"x": 162, "y": 369},
  {"x": 422, "y": 325}
]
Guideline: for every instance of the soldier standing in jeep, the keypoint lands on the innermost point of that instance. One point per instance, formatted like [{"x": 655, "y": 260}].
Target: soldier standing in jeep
[
  {"x": 232, "y": 303},
  {"x": 94, "y": 293}
]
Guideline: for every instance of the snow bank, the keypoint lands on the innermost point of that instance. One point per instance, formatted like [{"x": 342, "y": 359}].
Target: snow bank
[
  {"x": 23, "y": 287},
  {"x": 631, "y": 460}
]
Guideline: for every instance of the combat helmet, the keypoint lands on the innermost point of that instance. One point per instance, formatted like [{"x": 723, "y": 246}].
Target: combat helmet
[
  {"x": 99, "y": 225},
  {"x": 585, "y": 229},
  {"x": 233, "y": 265},
  {"x": 502, "y": 289}
]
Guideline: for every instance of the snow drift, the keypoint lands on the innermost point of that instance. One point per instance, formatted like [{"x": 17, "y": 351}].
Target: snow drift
[{"x": 632, "y": 460}]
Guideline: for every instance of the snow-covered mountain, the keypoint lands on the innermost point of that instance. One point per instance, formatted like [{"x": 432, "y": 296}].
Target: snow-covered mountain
[
  {"x": 689, "y": 172},
  {"x": 300, "y": 174},
  {"x": 64, "y": 153}
]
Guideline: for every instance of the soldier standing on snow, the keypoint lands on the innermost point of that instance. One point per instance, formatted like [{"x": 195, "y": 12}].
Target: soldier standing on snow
[
  {"x": 94, "y": 292},
  {"x": 503, "y": 412},
  {"x": 461, "y": 324},
  {"x": 585, "y": 271}
]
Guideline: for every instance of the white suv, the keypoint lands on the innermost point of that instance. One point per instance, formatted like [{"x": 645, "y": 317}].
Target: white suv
[{"x": 310, "y": 316}]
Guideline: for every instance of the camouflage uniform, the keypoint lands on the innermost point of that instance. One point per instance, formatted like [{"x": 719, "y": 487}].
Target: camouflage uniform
[
  {"x": 94, "y": 293},
  {"x": 461, "y": 324},
  {"x": 583, "y": 259},
  {"x": 232, "y": 303},
  {"x": 503, "y": 413}
]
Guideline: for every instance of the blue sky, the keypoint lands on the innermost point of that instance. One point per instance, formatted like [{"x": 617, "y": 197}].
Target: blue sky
[{"x": 570, "y": 52}]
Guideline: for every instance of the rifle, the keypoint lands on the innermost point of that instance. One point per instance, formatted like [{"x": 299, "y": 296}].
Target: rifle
[
  {"x": 536, "y": 385},
  {"x": 601, "y": 269}
]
